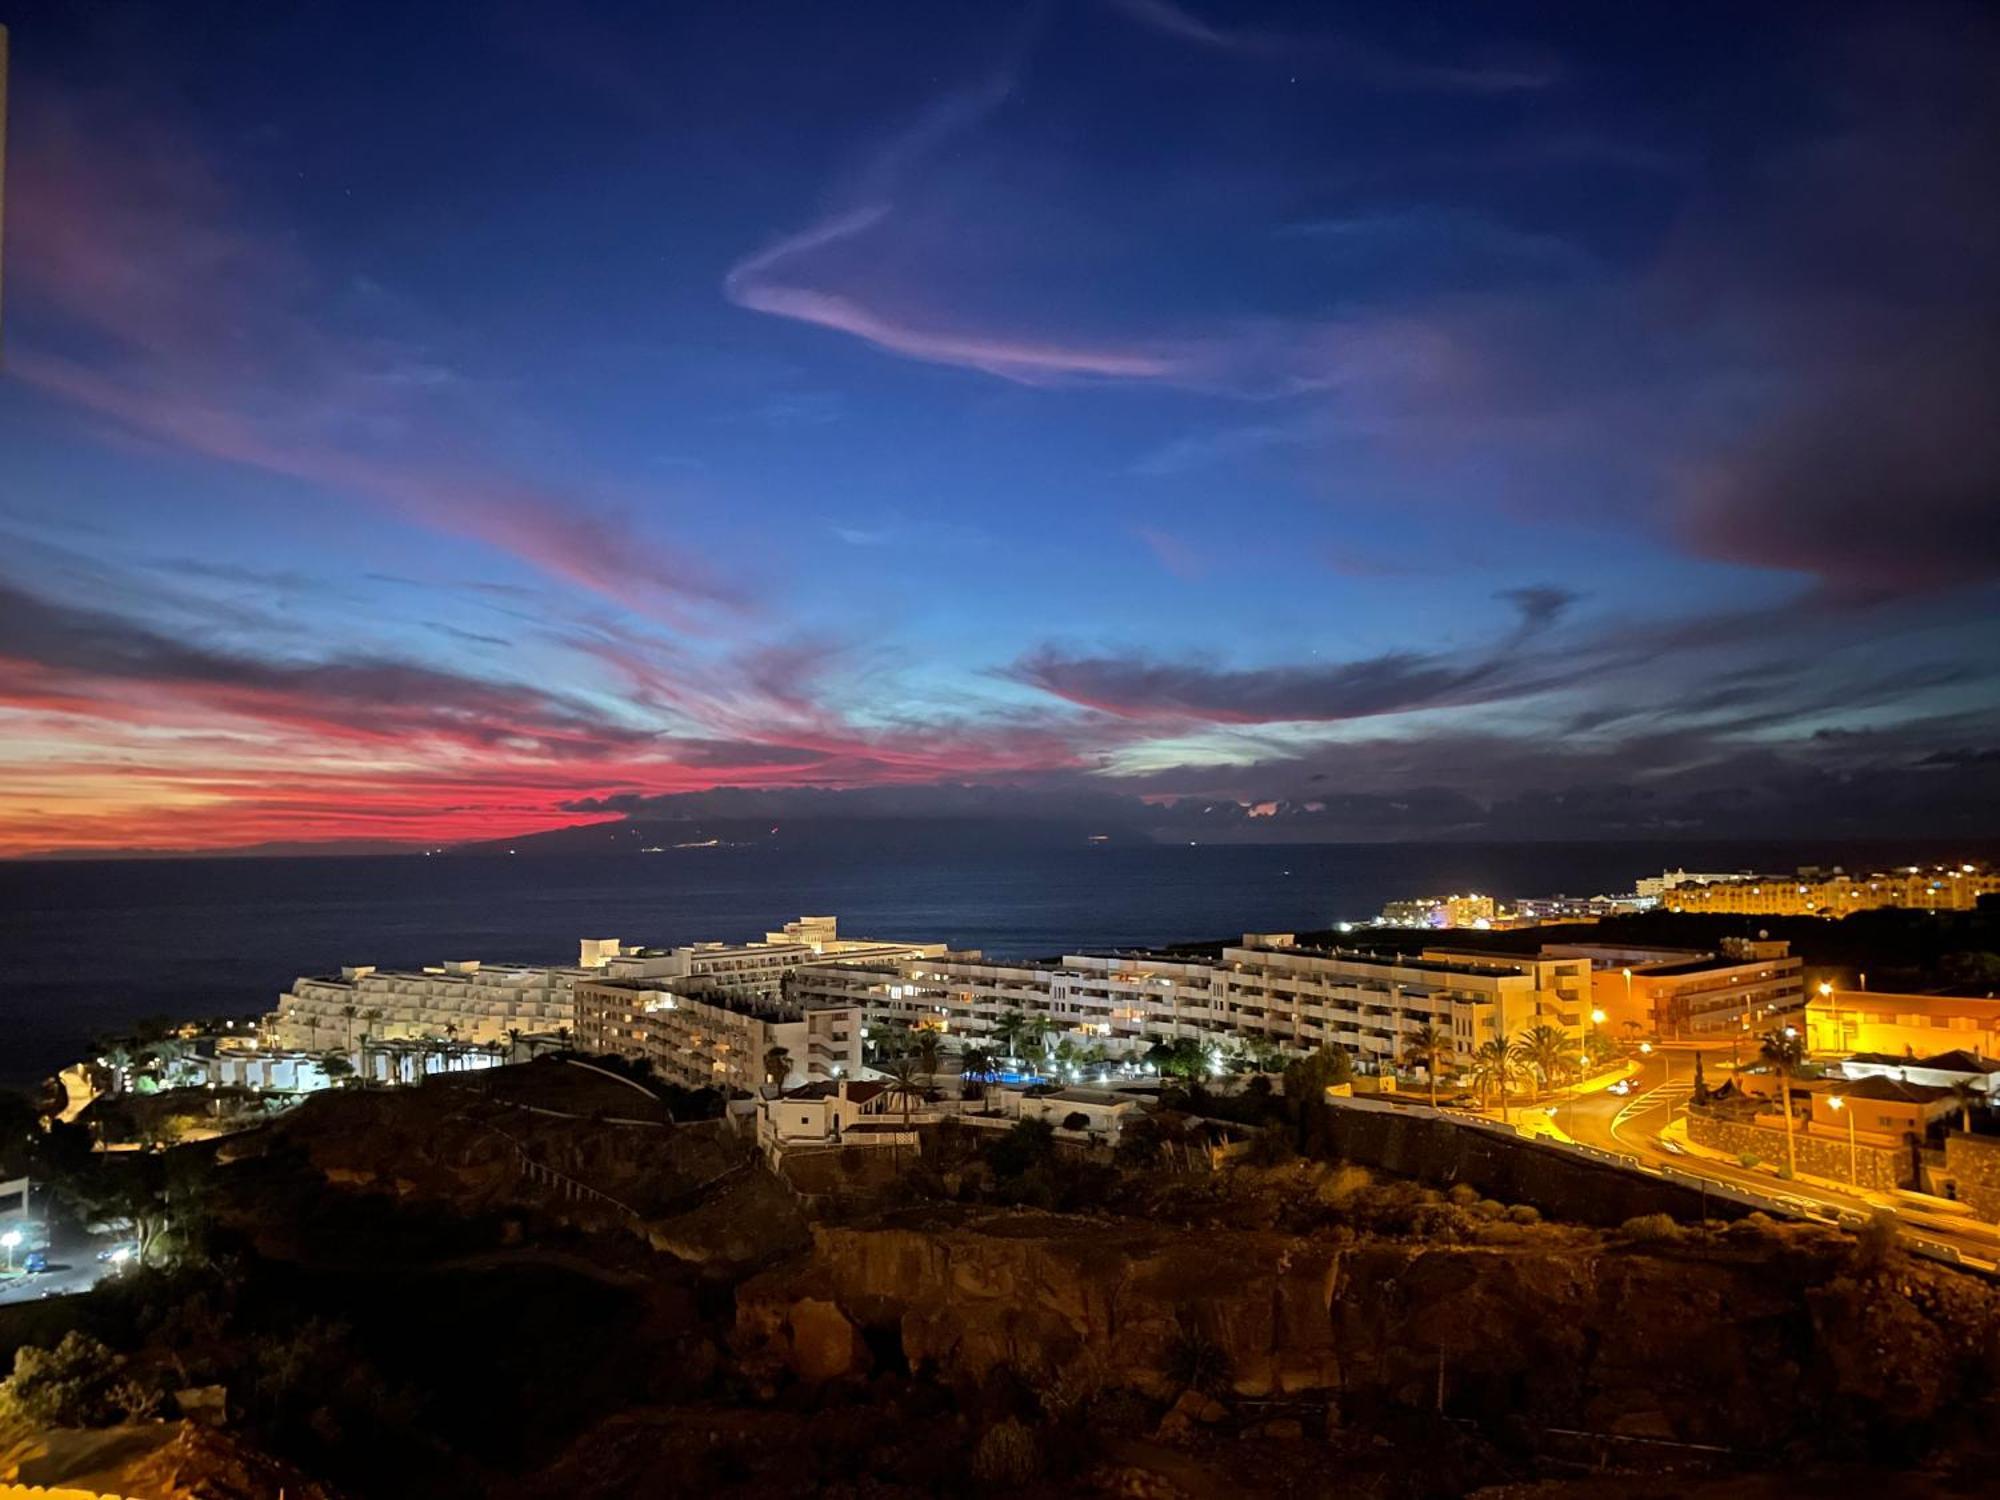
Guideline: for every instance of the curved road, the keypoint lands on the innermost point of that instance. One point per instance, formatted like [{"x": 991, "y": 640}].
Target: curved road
[{"x": 1630, "y": 1125}]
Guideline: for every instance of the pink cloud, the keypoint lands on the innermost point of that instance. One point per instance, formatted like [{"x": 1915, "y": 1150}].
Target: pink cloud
[
  {"x": 206, "y": 339},
  {"x": 750, "y": 284},
  {"x": 1178, "y": 557}
]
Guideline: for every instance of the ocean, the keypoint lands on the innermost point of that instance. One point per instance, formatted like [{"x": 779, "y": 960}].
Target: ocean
[{"x": 89, "y": 946}]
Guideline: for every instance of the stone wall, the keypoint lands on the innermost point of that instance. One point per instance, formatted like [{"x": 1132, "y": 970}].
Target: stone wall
[
  {"x": 1974, "y": 1164},
  {"x": 1560, "y": 1182},
  {"x": 1669, "y": 1339},
  {"x": 1876, "y": 1168}
]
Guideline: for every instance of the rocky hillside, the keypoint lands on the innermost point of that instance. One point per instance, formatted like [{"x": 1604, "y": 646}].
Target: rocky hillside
[{"x": 1751, "y": 1338}]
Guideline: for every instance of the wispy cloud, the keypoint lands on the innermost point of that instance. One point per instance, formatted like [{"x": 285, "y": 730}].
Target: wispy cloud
[
  {"x": 1141, "y": 687},
  {"x": 1373, "y": 67},
  {"x": 190, "y": 330}
]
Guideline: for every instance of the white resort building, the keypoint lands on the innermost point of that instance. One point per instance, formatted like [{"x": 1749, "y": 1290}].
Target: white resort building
[{"x": 793, "y": 1009}]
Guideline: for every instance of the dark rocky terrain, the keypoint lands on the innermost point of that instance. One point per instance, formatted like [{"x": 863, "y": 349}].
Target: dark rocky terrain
[{"x": 381, "y": 1298}]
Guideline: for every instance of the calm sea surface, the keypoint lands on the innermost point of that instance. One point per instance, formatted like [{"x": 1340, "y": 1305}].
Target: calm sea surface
[{"x": 87, "y": 947}]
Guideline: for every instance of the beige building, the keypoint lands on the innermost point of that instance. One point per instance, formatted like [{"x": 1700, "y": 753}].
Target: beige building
[
  {"x": 1844, "y": 1021},
  {"x": 696, "y": 1033},
  {"x": 1747, "y": 988},
  {"x": 463, "y": 1001},
  {"x": 1838, "y": 894},
  {"x": 1266, "y": 989},
  {"x": 468, "y": 1001},
  {"x": 1442, "y": 911}
]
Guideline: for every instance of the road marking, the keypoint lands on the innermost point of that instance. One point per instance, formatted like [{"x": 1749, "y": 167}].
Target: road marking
[{"x": 1652, "y": 1099}]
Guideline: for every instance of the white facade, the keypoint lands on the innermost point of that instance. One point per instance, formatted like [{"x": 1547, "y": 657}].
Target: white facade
[
  {"x": 467, "y": 1001},
  {"x": 462, "y": 1001},
  {"x": 1103, "y": 1111},
  {"x": 1266, "y": 989},
  {"x": 698, "y": 1034}
]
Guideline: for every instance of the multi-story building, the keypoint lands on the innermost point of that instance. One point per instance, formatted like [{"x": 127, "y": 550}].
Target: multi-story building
[
  {"x": 695, "y": 1031},
  {"x": 1656, "y": 886},
  {"x": 1813, "y": 893},
  {"x": 1472, "y": 910},
  {"x": 461, "y": 1001},
  {"x": 1747, "y": 987},
  {"x": 1844, "y": 1021},
  {"x": 478, "y": 1003},
  {"x": 1266, "y": 989}
]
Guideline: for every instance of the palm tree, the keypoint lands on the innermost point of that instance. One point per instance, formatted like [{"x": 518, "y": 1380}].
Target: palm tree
[
  {"x": 927, "y": 1042},
  {"x": 973, "y": 1065},
  {"x": 1428, "y": 1048},
  {"x": 373, "y": 1018},
  {"x": 1546, "y": 1050},
  {"x": 350, "y": 1011},
  {"x": 1035, "y": 1036},
  {"x": 777, "y": 1066},
  {"x": 1784, "y": 1050},
  {"x": 904, "y": 1081},
  {"x": 886, "y": 1039},
  {"x": 1967, "y": 1096},
  {"x": 1493, "y": 1065},
  {"x": 1008, "y": 1031}
]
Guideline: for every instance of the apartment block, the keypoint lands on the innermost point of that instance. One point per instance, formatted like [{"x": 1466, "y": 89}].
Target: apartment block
[
  {"x": 698, "y": 1033},
  {"x": 1837, "y": 894},
  {"x": 467, "y": 1001},
  {"x": 1265, "y": 989},
  {"x": 1745, "y": 987},
  {"x": 463, "y": 1001},
  {"x": 1878, "y": 1021}
]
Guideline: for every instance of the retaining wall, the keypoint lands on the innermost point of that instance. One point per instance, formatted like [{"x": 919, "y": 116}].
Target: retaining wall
[
  {"x": 1876, "y": 1168},
  {"x": 1561, "y": 1181}
]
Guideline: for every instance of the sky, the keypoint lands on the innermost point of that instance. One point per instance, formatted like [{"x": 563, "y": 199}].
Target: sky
[{"x": 429, "y": 422}]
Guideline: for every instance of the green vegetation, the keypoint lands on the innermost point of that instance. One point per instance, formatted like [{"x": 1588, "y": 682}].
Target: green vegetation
[
  {"x": 1428, "y": 1048},
  {"x": 1784, "y": 1051},
  {"x": 79, "y": 1383}
]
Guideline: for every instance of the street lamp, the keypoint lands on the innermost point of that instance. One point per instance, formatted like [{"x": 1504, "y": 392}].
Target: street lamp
[
  {"x": 1833, "y": 1015},
  {"x": 10, "y": 1239},
  {"x": 1834, "y": 1101}
]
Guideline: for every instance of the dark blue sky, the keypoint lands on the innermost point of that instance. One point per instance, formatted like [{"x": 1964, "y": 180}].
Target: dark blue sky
[{"x": 1404, "y": 420}]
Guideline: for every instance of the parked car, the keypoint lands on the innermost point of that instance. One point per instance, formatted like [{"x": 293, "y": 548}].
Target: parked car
[
  {"x": 35, "y": 1262},
  {"x": 1622, "y": 1086}
]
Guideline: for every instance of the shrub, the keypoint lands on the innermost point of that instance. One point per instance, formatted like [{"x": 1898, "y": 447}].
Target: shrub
[
  {"x": 1029, "y": 1144},
  {"x": 1491, "y": 1208},
  {"x": 1343, "y": 1184},
  {"x": 1009, "y": 1452},
  {"x": 1196, "y": 1361},
  {"x": 1525, "y": 1213},
  {"x": 1747, "y": 1158},
  {"x": 1874, "y": 1240},
  {"x": 1076, "y": 1119},
  {"x": 79, "y": 1383},
  {"x": 1464, "y": 1194},
  {"x": 1270, "y": 1147},
  {"x": 1651, "y": 1227},
  {"x": 1785, "y": 1174}
]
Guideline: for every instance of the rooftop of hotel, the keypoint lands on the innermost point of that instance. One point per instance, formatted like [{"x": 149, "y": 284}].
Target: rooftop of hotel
[
  {"x": 1959, "y": 1060},
  {"x": 1892, "y": 1089},
  {"x": 1706, "y": 964}
]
